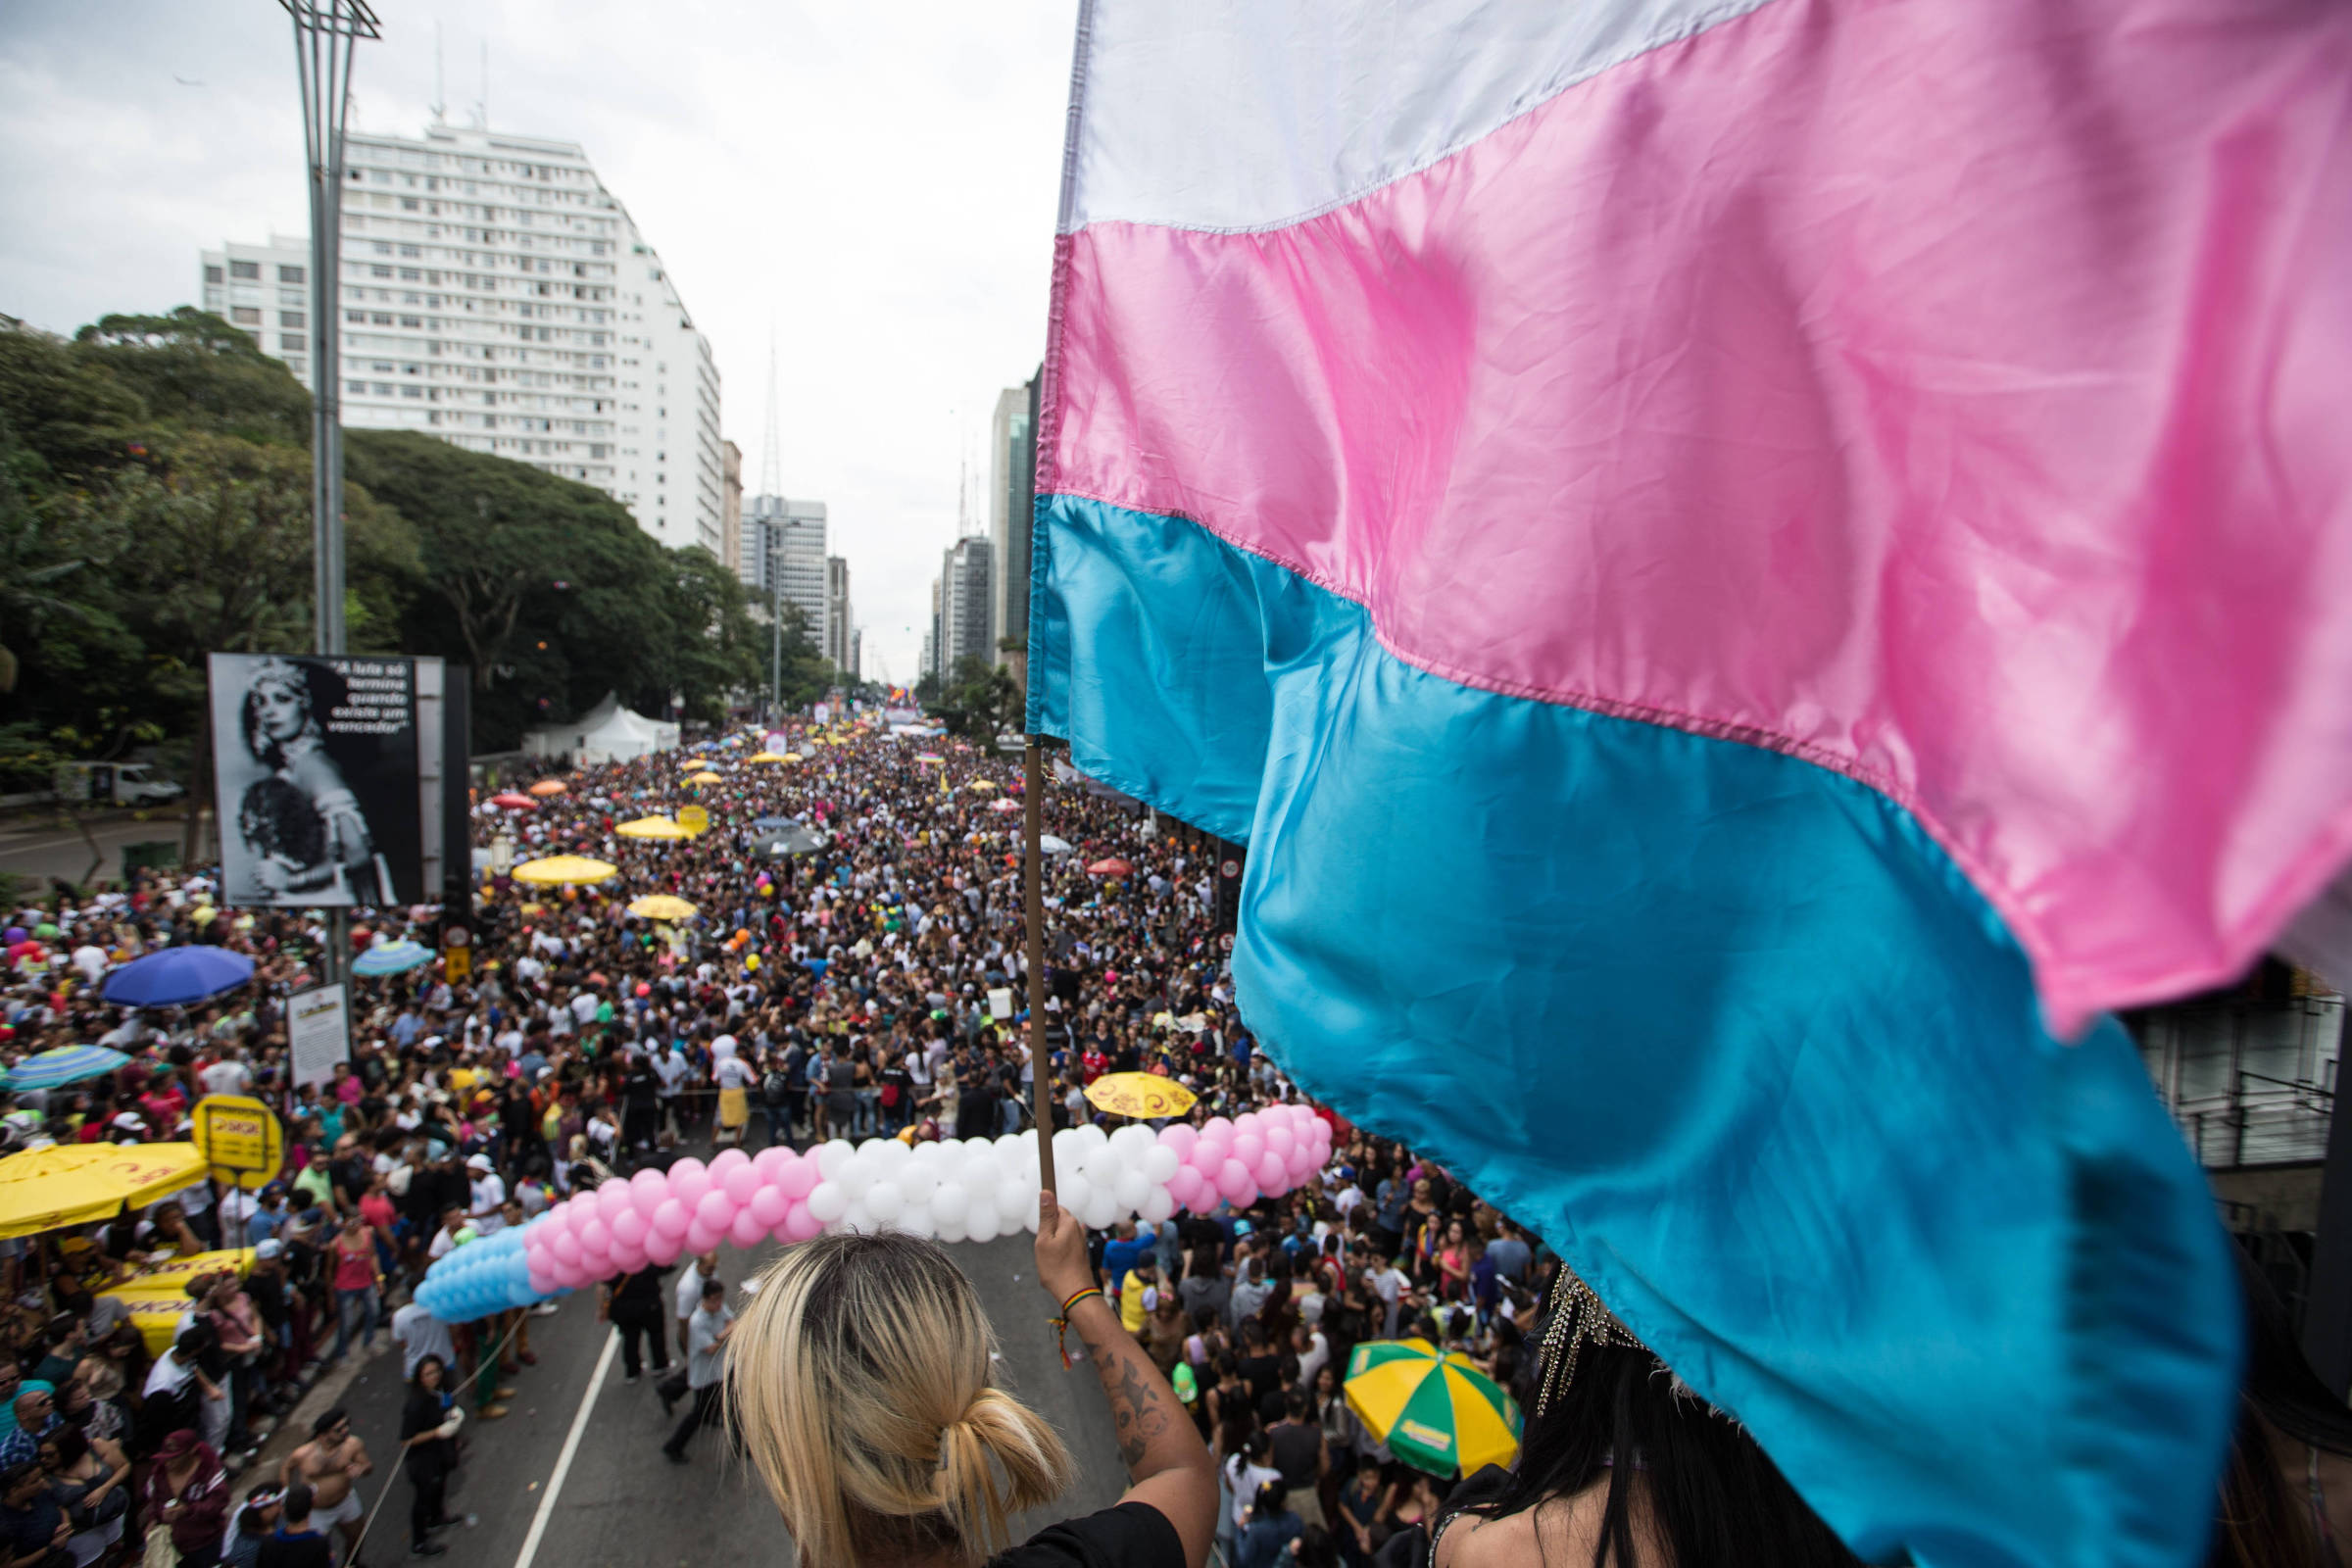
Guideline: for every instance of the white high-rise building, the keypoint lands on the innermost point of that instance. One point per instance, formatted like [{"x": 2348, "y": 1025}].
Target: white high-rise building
[
  {"x": 840, "y": 627},
  {"x": 784, "y": 546},
  {"x": 496, "y": 294}
]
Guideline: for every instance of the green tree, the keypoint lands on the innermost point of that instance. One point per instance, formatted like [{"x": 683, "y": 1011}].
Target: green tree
[{"x": 193, "y": 371}]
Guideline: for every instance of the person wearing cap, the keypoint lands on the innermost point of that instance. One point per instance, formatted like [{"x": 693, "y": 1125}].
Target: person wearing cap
[{"x": 188, "y": 1489}]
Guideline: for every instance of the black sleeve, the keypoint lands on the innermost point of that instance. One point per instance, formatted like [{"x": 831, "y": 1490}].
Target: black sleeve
[{"x": 1133, "y": 1535}]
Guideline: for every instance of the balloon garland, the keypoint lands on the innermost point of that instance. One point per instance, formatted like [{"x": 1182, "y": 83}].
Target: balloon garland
[{"x": 974, "y": 1190}]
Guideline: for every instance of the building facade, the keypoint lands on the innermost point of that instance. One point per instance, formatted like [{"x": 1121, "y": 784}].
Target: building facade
[
  {"x": 784, "y": 553},
  {"x": 730, "y": 528},
  {"x": 1011, "y": 497},
  {"x": 968, "y": 621},
  {"x": 839, "y": 626},
  {"x": 498, "y": 296}
]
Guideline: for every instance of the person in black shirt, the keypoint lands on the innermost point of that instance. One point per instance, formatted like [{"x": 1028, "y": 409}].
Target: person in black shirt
[
  {"x": 427, "y": 1455},
  {"x": 633, "y": 1304},
  {"x": 34, "y": 1528},
  {"x": 294, "y": 1543}
]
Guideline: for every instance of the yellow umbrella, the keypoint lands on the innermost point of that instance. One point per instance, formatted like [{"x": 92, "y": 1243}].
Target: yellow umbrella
[
  {"x": 981, "y": 784},
  {"x": 663, "y": 907},
  {"x": 72, "y": 1184},
  {"x": 548, "y": 786},
  {"x": 652, "y": 827},
  {"x": 768, "y": 757},
  {"x": 1140, "y": 1094},
  {"x": 791, "y": 757},
  {"x": 705, "y": 777},
  {"x": 557, "y": 870},
  {"x": 1435, "y": 1411}
]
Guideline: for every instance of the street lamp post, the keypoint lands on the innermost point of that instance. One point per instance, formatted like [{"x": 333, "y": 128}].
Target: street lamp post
[{"x": 326, "y": 33}]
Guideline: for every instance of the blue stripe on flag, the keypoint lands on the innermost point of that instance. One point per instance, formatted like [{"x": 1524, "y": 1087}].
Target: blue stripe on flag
[{"x": 1726, "y": 1027}]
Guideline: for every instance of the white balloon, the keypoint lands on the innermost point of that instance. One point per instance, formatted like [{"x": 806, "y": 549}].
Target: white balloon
[
  {"x": 918, "y": 1181},
  {"x": 924, "y": 1153},
  {"x": 833, "y": 1155},
  {"x": 1092, "y": 1136},
  {"x": 949, "y": 1204},
  {"x": 884, "y": 1201},
  {"x": 1100, "y": 1211},
  {"x": 855, "y": 1177},
  {"x": 1160, "y": 1205},
  {"x": 893, "y": 1154},
  {"x": 1031, "y": 1220},
  {"x": 981, "y": 1225},
  {"x": 916, "y": 1220},
  {"x": 1132, "y": 1191},
  {"x": 952, "y": 1158},
  {"x": 1134, "y": 1135},
  {"x": 950, "y": 1231},
  {"x": 1102, "y": 1165},
  {"x": 1075, "y": 1194},
  {"x": 827, "y": 1200},
  {"x": 1159, "y": 1164}
]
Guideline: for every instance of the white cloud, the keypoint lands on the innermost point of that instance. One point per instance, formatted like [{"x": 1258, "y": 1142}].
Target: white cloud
[{"x": 878, "y": 181}]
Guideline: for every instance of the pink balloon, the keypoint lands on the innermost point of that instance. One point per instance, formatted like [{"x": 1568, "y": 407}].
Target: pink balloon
[
  {"x": 799, "y": 1178},
  {"x": 769, "y": 1207},
  {"x": 646, "y": 1188},
  {"x": 612, "y": 1198},
  {"x": 1206, "y": 1201},
  {"x": 565, "y": 1248},
  {"x": 714, "y": 1212},
  {"x": 699, "y": 1240},
  {"x": 688, "y": 1187},
  {"x": 685, "y": 1166},
  {"x": 595, "y": 1237},
  {"x": 1249, "y": 1194},
  {"x": 544, "y": 1282},
  {"x": 1281, "y": 1141},
  {"x": 1210, "y": 1155},
  {"x": 1271, "y": 1175},
  {"x": 1232, "y": 1179},
  {"x": 580, "y": 1208},
  {"x": 1179, "y": 1136},
  {"x": 1246, "y": 1123},
  {"x": 671, "y": 1218},
  {"x": 1248, "y": 1148},
  {"x": 628, "y": 1260},
  {"x": 1186, "y": 1185},
  {"x": 741, "y": 1182},
  {"x": 799, "y": 1225},
  {"x": 746, "y": 1231},
  {"x": 663, "y": 1249},
  {"x": 773, "y": 1160},
  {"x": 726, "y": 1161},
  {"x": 1219, "y": 1127},
  {"x": 630, "y": 1229}
]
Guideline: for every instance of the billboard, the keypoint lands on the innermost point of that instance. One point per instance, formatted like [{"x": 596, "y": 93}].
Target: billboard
[
  {"x": 317, "y": 786},
  {"x": 318, "y": 1033}
]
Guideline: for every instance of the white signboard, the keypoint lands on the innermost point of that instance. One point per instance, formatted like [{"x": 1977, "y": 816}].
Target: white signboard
[
  {"x": 1000, "y": 1002},
  {"x": 318, "y": 1030}
]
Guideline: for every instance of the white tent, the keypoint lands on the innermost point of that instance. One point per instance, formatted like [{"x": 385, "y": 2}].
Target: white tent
[{"x": 605, "y": 733}]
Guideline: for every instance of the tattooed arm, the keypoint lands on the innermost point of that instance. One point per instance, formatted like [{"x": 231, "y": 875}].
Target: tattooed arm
[{"x": 1168, "y": 1464}]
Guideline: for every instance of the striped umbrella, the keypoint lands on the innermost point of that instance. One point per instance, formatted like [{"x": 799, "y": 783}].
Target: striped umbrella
[
  {"x": 67, "y": 1064},
  {"x": 393, "y": 957},
  {"x": 1435, "y": 1410}
]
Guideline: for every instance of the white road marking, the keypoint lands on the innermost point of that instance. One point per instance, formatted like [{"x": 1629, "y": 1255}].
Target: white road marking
[{"x": 571, "y": 1446}]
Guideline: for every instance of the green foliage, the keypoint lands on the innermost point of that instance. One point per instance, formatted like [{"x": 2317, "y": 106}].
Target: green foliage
[
  {"x": 155, "y": 506},
  {"x": 980, "y": 701}
]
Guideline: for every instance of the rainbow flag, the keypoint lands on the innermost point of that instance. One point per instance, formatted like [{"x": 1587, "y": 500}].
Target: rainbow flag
[{"x": 1746, "y": 571}]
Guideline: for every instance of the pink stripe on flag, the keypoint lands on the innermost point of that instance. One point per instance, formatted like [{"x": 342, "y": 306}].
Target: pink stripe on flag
[{"x": 1951, "y": 393}]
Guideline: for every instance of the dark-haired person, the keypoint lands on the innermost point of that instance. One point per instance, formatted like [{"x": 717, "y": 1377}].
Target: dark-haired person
[
  {"x": 1269, "y": 1530},
  {"x": 34, "y": 1528},
  {"x": 188, "y": 1489},
  {"x": 93, "y": 1477},
  {"x": 298, "y": 1541},
  {"x": 331, "y": 1464},
  {"x": 2286, "y": 1494},
  {"x": 1702, "y": 1493},
  {"x": 428, "y": 1424}
]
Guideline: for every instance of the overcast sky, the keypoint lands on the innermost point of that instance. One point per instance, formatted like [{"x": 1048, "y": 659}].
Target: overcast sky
[{"x": 879, "y": 181}]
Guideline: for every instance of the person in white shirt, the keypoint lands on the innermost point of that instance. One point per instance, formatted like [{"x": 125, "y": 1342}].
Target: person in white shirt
[
  {"x": 689, "y": 1294},
  {"x": 227, "y": 1076},
  {"x": 489, "y": 1193},
  {"x": 420, "y": 1334},
  {"x": 90, "y": 959}
]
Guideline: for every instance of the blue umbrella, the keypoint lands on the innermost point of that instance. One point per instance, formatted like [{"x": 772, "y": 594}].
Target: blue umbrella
[
  {"x": 393, "y": 957},
  {"x": 176, "y": 975},
  {"x": 67, "y": 1064}
]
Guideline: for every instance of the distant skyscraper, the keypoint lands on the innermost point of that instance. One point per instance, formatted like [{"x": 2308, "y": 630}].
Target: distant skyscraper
[
  {"x": 1013, "y": 482},
  {"x": 967, "y": 626},
  {"x": 784, "y": 544},
  {"x": 840, "y": 630},
  {"x": 730, "y": 525},
  {"x": 496, "y": 294}
]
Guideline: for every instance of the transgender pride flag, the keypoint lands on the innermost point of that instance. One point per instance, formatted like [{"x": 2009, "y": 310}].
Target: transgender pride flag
[{"x": 1746, "y": 571}]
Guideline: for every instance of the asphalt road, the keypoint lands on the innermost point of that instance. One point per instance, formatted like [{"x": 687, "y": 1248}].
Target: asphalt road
[
  {"x": 618, "y": 1504},
  {"x": 36, "y": 845}
]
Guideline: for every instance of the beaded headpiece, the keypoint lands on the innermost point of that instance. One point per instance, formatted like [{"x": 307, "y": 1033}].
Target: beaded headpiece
[{"x": 1577, "y": 1322}]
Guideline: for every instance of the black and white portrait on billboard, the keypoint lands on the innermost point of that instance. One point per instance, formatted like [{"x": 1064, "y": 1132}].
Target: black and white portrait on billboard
[{"x": 317, "y": 769}]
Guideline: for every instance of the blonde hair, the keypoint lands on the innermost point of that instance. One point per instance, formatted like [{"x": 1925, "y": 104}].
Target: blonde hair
[{"x": 862, "y": 1383}]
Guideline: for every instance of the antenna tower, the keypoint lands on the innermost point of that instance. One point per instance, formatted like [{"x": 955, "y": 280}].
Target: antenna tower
[{"x": 772, "y": 452}]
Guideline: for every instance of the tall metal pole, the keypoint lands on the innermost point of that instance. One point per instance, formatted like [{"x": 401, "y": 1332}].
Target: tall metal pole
[
  {"x": 776, "y": 654},
  {"x": 326, "y": 33},
  {"x": 1033, "y": 876}
]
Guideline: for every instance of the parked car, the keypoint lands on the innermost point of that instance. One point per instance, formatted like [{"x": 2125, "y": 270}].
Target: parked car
[{"x": 115, "y": 784}]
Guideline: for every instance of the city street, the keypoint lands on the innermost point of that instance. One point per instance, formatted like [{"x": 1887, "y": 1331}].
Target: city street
[
  {"x": 44, "y": 843},
  {"x": 613, "y": 1501}
]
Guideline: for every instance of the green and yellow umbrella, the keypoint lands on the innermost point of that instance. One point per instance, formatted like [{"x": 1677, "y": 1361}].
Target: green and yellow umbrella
[{"x": 1435, "y": 1411}]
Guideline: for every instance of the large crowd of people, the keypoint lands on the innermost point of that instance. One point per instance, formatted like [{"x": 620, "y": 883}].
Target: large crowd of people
[{"x": 865, "y": 978}]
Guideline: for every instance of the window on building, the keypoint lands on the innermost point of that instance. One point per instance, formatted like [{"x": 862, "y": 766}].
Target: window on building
[
  {"x": 245, "y": 315},
  {"x": 292, "y": 319},
  {"x": 252, "y": 269},
  {"x": 213, "y": 275},
  {"x": 290, "y": 274},
  {"x": 291, "y": 342}
]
